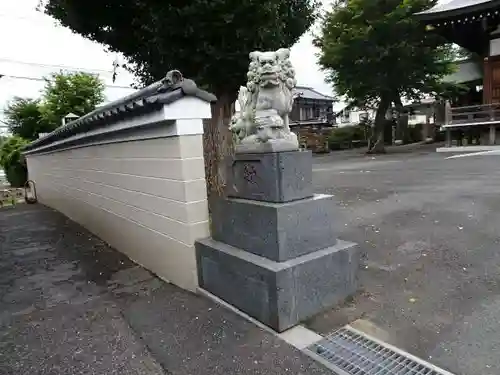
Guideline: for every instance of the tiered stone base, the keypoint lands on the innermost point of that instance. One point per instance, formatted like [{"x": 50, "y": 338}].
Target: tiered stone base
[{"x": 274, "y": 254}]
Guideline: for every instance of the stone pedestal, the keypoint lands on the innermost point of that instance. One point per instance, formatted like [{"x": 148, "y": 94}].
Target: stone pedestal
[
  {"x": 277, "y": 231},
  {"x": 274, "y": 253},
  {"x": 271, "y": 177}
]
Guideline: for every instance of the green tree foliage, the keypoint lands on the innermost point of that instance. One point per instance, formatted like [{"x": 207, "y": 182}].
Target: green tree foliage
[
  {"x": 63, "y": 93},
  {"x": 77, "y": 93},
  {"x": 25, "y": 119},
  {"x": 375, "y": 51},
  {"x": 208, "y": 41},
  {"x": 462, "y": 54},
  {"x": 12, "y": 161}
]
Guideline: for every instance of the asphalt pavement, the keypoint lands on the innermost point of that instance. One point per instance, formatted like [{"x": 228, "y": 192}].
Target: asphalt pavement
[
  {"x": 71, "y": 305},
  {"x": 429, "y": 282},
  {"x": 428, "y": 232}
]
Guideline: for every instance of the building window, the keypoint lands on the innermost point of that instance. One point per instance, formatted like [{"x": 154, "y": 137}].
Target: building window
[
  {"x": 310, "y": 113},
  {"x": 363, "y": 116},
  {"x": 302, "y": 114}
]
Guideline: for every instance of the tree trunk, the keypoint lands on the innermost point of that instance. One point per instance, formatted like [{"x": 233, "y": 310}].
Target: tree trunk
[
  {"x": 376, "y": 144},
  {"x": 402, "y": 121},
  {"x": 218, "y": 146}
]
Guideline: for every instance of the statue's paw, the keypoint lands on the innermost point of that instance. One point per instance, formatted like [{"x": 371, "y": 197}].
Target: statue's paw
[
  {"x": 236, "y": 125},
  {"x": 250, "y": 139}
]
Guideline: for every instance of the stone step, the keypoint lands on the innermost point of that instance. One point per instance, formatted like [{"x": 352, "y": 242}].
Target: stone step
[
  {"x": 277, "y": 231},
  {"x": 278, "y": 294}
]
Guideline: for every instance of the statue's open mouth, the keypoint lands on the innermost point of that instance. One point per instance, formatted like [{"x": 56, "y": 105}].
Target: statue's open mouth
[{"x": 269, "y": 75}]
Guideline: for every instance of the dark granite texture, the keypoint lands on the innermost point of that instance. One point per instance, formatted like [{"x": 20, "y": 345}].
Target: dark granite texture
[
  {"x": 277, "y": 231},
  {"x": 271, "y": 177},
  {"x": 279, "y": 295}
]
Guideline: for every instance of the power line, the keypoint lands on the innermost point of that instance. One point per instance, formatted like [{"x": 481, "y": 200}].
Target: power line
[
  {"x": 54, "y": 66},
  {"x": 20, "y": 17},
  {"x": 43, "y": 80}
]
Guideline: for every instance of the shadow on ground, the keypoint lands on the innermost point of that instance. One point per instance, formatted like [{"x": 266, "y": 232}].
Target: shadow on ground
[{"x": 69, "y": 304}]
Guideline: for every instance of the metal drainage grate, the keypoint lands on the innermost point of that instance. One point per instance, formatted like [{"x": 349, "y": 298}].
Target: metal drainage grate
[{"x": 356, "y": 354}]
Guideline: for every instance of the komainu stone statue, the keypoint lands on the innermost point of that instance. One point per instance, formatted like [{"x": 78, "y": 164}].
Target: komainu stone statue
[{"x": 261, "y": 125}]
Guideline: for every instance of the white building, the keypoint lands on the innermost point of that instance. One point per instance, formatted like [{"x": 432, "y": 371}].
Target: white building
[{"x": 353, "y": 116}]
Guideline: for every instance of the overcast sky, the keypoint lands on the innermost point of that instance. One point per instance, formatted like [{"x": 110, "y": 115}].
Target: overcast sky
[{"x": 33, "y": 46}]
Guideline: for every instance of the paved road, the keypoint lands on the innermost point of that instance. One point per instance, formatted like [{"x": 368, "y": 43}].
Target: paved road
[
  {"x": 428, "y": 231},
  {"x": 428, "y": 228},
  {"x": 71, "y": 305}
]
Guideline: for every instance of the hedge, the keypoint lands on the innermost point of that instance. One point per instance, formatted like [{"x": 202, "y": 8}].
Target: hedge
[{"x": 12, "y": 161}]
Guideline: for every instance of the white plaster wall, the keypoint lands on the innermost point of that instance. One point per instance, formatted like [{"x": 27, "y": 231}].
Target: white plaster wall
[
  {"x": 354, "y": 117},
  {"x": 146, "y": 198}
]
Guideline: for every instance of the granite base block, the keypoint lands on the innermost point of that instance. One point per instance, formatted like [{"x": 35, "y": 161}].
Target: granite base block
[
  {"x": 277, "y": 231},
  {"x": 278, "y": 294},
  {"x": 272, "y": 176}
]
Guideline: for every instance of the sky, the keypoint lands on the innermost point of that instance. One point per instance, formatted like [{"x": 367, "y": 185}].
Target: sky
[{"x": 33, "y": 45}]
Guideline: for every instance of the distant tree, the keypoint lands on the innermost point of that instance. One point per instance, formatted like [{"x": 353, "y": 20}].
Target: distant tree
[
  {"x": 25, "y": 119},
  {"x": 12, "y": 162},
  {"x": 208, "y": 41},
  {"x": 462, "y": 54},
  {"x": 376, "y": 52},
  {"x": 64, "y": 93}
]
